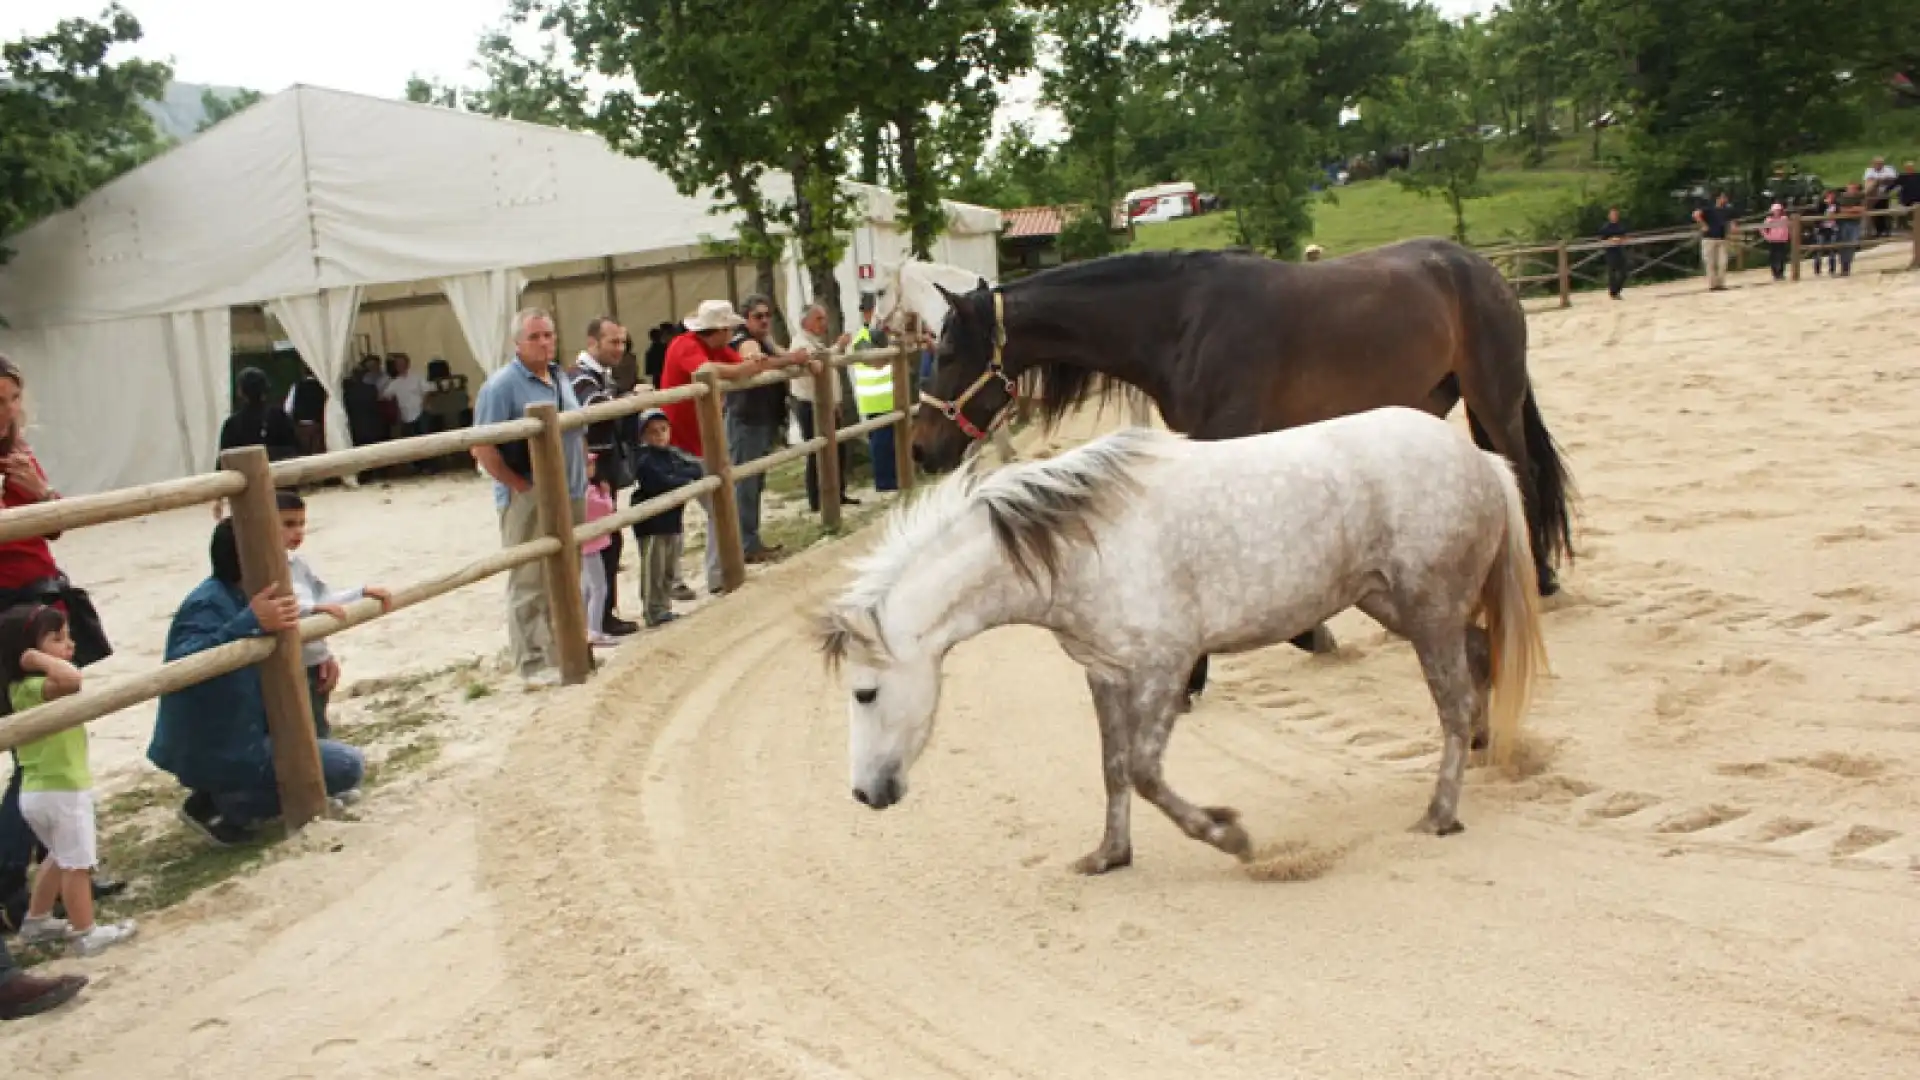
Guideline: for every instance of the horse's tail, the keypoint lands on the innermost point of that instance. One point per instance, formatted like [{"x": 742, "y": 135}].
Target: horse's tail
[
  {"x": 1510, "y": 597},
  {"x": 1552, "y": 487}
]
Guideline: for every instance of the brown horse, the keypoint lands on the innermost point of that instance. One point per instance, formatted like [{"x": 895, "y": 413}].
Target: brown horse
[{"x": 1230, "y": 344}]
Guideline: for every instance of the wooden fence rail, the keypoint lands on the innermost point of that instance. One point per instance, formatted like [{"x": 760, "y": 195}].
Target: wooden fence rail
[
  {"x": 1566, "y": 269},
  {"x": 247, "y": 478}
]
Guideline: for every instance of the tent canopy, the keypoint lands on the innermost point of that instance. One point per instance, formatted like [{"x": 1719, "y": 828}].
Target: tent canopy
[{"x": 119, "y": 306}]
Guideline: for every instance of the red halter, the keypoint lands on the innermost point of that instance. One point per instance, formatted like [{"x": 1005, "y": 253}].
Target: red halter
[{"x": 951, "y": 409}]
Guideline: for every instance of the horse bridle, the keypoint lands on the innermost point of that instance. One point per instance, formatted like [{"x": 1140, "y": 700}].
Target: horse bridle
[{"x": 995, "y": 370}]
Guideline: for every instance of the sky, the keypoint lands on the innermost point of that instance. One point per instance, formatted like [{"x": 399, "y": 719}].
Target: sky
[{"x": 363, "y": 46}]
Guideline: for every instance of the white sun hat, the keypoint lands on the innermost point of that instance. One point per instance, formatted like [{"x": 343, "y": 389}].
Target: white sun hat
[{"x": 713, "y": 315}]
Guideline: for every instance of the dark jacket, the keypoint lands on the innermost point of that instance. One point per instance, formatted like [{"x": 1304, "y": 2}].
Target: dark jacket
[
  {"x": 659, "y": 470},
  {"x": 213, "y": 736}
]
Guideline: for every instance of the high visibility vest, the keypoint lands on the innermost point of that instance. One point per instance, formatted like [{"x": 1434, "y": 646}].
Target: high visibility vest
[{"x": 872, "y": 386}]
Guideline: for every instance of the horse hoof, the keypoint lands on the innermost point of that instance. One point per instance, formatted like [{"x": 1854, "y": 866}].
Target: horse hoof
[
  {"x": 1430, "y": 827},
  {"x": 1323, "y": 642},
  {"x": 1224, "y": 832},
  {"x": 1101, "y": 861},
  {"x": 1549, "y": 583}
]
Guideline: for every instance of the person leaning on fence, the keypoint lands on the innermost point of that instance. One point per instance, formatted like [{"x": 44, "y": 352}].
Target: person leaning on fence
[
  {"x": 812, "y": 336},
  {"x": 313, "y": 594},
  {"x": 212, "y": 736},
  {"x": 527, "y": 379},
  {"x": 754, "y": 419},
  {"x": 704, "y": 345},
  {"x": 659, "y": 468}
]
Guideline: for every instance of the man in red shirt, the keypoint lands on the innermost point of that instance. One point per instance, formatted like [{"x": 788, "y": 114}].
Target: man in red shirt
[{"x": 705, "y": 343}]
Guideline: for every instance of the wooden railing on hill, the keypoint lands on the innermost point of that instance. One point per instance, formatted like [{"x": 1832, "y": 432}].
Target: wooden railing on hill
[
  {"x": 1584, "y": 261},
  {"x": 247, "y": 478}
]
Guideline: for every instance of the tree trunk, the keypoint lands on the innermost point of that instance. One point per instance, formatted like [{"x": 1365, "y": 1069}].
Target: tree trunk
[
  {"x": 906, "y": 128},
  {"x": 760, "y": 243},
  {"x": 870, "y": 135},
  {"x": 820, "y": 275}
]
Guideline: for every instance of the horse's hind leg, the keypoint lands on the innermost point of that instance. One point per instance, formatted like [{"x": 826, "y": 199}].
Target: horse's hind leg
[
  {"x": 1453, "y": 669},
  {"x": 1111, "y": 703},
  {"x": 1156, "y": 707},
  {"x": 1444, "y": 662},
  {"x": 1480, "y": 662}
]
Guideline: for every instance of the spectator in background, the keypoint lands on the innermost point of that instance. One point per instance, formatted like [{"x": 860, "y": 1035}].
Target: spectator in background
[
  {"x": 873, "y": 392},
  {"x": 1908, "y": 186},
  {"x": 754, "y": 419},
  {"x": 213, "y": 736},
  {"x": 1827, "y": 232},
  {"x": 307, "y": 405},
  {"x": 1716, "y": 222},
  {"x": 592, "y": 374},
  {"x": 1878, "y": 181},
  {"x": 526, "y": 379},
  {"x": 812, "y": 337},
  {"x": 1851, "y": 204},
  {"x": 1777, "y": 231},
  {"x": 258, "y": 421},
  {"x": 661, "y": 467},
  {"x": 705, "y": 344},
  {"x": 1614, "y": 235}
]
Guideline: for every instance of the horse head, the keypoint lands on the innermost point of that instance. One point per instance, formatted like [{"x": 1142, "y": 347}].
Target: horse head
[
  {"x": 890, "y": 711},
  {"x": 969, "y": 391}
]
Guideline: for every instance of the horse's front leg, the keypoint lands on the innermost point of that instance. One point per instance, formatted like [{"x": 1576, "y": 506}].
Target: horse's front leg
[
  {"x": 1156, "y": 710},
  {"x": 1110, "y": 702}
]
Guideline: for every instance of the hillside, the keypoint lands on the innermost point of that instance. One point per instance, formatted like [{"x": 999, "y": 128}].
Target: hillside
[{"x": 1375, "y": 212}]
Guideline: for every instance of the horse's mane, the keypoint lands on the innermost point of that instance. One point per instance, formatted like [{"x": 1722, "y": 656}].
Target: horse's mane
[
  {"x": 1031, "y": 507},
  {"x": 1058, "y": 388}
]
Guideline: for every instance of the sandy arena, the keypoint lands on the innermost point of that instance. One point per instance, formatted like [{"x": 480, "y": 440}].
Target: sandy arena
[{"x": 1711, "y": 871}]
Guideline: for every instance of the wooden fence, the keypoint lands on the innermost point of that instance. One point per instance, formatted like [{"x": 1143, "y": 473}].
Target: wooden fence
[
  {"x": 248, "y": 479},
  {"x": 1574, "y": 262}
]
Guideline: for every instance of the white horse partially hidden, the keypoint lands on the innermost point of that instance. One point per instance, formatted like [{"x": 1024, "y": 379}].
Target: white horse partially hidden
[{"x": 1143, "y": 550}]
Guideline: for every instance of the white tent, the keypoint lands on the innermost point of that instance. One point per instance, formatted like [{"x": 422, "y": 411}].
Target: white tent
[{"x": 120, "y": 307}]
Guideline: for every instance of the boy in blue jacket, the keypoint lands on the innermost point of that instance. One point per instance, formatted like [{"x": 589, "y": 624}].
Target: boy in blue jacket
[{"x": 659, "y": 467}]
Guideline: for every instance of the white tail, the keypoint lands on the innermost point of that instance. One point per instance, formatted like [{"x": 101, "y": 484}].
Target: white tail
[{"x": 1511, "y": 600}]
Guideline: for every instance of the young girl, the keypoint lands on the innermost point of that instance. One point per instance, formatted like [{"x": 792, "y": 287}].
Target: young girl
[
  {"x": 56, "y": 789},
  {"x": 593, "y": 570}
]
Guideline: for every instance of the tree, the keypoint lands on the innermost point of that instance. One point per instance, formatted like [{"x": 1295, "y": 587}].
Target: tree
[
  {"x": 1433, "y": 104},
  {"x": 947, "y": 55},
  {"x": 1286, "y": 70},
  {"x": 1085, "y": 83},
  {"x": 70, "y": 121},
  {"x": 517, "y": 87},
  {"x": 218, "y": 108}
]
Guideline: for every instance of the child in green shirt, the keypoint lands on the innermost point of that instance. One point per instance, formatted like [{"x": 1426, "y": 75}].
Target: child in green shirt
[{"x": 56, "y": 782}]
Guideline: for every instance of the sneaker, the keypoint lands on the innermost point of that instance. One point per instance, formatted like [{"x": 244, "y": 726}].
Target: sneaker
[
  {"x": 542, "y": 678},
  {"x": 38, "y": 929},
  {"x": 30, "y": 995},
  {"x": 103, "y": 936},
  {"x": 683, "y": 592},
  {"x": 618, "y": 627},
  {"x": 658, "y": 620},
  {"x": 602, "y": 641},
  {"x": 203, "y": 819},
  {"x": 348, "y": 797}
]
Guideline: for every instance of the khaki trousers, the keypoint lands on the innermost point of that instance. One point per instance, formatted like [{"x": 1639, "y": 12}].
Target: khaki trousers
[{"x": 529, "y": 622}]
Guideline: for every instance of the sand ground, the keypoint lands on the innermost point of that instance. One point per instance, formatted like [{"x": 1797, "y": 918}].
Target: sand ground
[{"x": 1711, "y": 872}]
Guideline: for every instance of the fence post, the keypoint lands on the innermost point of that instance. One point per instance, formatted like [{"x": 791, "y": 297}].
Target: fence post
[
  {"x": 566, "y": 608},
  {"x": 826, "y": 421},
  {"x": 903, "y": 427},
  {"x": 1793, "y": 245},
  {"x": 724, "y": 520},
  {"x": 1566, "y": 276},
  {"x": 283, "y": 679}
]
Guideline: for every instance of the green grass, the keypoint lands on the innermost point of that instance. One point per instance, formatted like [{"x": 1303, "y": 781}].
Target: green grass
[
  {"x": 1375, "y": 212},
  {"x": 164, "y": 863}
]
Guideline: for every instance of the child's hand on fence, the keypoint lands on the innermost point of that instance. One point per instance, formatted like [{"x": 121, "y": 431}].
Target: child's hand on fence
[
  {"x": 276, "y": 611},
  {"x": 380, "y": 594}
]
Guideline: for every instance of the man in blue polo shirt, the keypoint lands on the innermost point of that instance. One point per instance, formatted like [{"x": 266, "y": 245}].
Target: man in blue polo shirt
[{"x": 523, "y": 381}]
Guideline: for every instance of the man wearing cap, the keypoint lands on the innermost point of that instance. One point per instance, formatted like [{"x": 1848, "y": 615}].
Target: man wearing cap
[{"x": 705, "y": 344}]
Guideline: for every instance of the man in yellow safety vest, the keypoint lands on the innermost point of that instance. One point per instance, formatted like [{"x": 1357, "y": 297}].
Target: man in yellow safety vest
[{"x": 873, "y": 394}]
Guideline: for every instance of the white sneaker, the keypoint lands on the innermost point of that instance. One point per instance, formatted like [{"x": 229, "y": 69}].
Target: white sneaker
[
  {"x": 348, "y": 797},
  {"x": 543, "y": 677},
  {"x": 35, "y": 930},
  {"x": 602, "y": 641},
  {"x": 102, "y": 936}
]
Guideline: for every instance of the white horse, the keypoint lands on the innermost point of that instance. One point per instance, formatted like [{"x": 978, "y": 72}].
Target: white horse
[{"x": 1144, "y": 550}]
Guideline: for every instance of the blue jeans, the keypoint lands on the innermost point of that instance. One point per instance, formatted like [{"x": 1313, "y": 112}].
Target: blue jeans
[
  {"x": 341, "y": 768},
  {"x": 880, "y": 444},
  {"x": 1849, "y": 235},
  {"x": 745, "y": 442}
]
